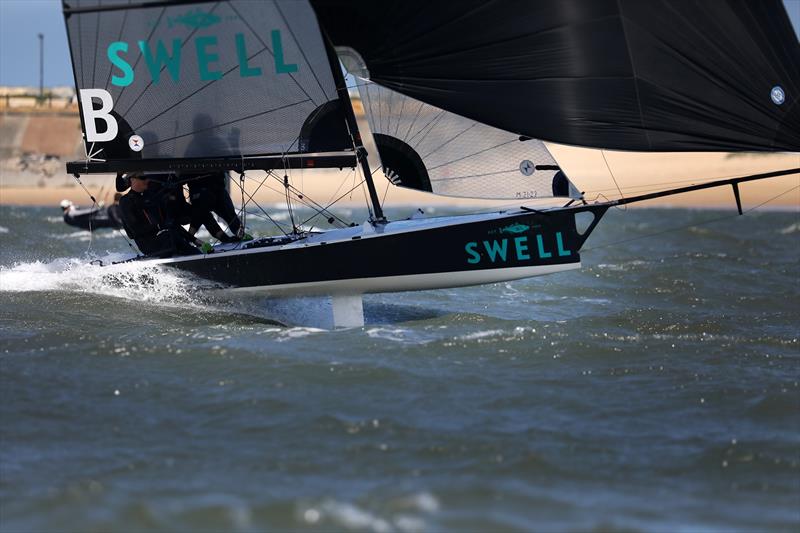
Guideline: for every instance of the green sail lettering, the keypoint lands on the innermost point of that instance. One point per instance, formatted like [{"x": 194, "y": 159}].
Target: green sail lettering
[
  {"x": 113, "y": 55},
  {"x": 173, "y": 62}
]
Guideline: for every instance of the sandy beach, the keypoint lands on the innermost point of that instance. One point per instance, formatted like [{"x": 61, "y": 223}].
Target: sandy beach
[{"x": 600, "y": 174}]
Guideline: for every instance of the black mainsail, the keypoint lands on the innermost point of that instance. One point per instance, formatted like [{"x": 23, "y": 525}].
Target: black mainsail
[
  {"x": 656, "y": 75},
  {"x": 164, "y": 82}
]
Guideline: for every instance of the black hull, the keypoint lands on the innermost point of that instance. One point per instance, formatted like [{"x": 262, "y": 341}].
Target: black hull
[{"x": 403, "y": 255}]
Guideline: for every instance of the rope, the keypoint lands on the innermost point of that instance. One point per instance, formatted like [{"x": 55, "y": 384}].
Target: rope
[
  {"x": 677, "y": 228},
  {"x": 603, "y": 153},
  {"x": 91, "y": 215}
]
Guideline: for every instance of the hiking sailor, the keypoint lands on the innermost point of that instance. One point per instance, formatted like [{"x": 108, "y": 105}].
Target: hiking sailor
[
  {"x": 152, "y": 214},
  {"x": 208, "y": 195}
]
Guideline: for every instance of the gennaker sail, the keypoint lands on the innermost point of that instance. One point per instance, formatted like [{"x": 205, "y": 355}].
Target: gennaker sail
[{"x": 652, "y": 75}]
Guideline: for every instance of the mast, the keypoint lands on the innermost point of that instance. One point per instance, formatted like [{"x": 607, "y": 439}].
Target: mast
[{"x": 352, "y": 126}]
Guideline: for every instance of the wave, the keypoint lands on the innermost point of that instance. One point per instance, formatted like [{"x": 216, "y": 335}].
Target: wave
[
  {"x": 794, "y": 228},
  {"x": 410, "y": 515}
]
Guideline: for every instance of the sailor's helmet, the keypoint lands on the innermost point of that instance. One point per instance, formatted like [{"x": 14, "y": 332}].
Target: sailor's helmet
[{"x": 65, "y": 204}]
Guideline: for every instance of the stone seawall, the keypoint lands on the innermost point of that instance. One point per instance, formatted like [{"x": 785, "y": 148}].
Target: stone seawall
[{"x": 56, "y": 134}]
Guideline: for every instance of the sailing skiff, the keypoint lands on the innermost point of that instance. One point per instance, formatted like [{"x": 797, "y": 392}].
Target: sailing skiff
[{"x": 459, "y": 97}]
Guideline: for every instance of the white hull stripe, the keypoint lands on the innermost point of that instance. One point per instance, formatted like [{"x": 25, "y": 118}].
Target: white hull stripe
[{"x": 415, "y": 282}]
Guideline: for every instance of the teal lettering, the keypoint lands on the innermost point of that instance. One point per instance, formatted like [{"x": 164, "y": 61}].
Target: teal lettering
[
  {"x": 277, "y": 51},
  {"x": 496, "y": 249},
  {"x": 561, "y": 251},
  {"x": 522, "y": 248},
  {"x": 245, "y": 70},
  {"x": 474, "y": 257},
  {"x": 127, "y": 72},
  {"x": 173, "y": 63},
  {"x": 540, "y": 244},
  {"x": 204, "y": 57}
]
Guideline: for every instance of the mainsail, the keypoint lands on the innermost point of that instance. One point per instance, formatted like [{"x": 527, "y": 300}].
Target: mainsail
[
  {"x": 203, "y": 80},
  {"x": 656, "y": 75}
]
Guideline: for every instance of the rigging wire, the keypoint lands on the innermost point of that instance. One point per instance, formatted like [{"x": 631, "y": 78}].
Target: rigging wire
[
  {"x": 677, "y": 228},
  {"x": 241, "y": 186},
  {"x": 339, "y": 198},
  {"x": 651, "y": 187},
  {"x": 603, "y": 153},
  {"x": 91, "y": 215}
]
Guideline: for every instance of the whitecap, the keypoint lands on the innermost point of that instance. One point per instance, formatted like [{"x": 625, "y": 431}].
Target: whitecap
[
  {"x": 348, "y": 516},
  {"x": 3, "y": 229},
  {"x": 793, "y": 228},
  {"x": 481, "y": 334},
  {"x": 395, "y": 335}
]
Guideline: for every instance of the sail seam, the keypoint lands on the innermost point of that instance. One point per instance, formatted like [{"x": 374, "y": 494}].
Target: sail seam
[
  {"x": 449, "y": 141},
  {"x": 96, "y": 40},
  {"x": 622, "y": 21},
  {"x": 119, "y": 38},
  {"x": 472, "y": 155},
  {"x": 302, "y": 52},
  {"x": 232, "y": 122},
  {"x": 246, "y": 23},
  {"x": 136, "y": 63},
  {"x": 150, "y": 84}
]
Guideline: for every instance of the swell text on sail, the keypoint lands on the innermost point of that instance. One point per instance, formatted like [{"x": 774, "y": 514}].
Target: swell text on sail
[
  {"x": 206, "y": 48},
  {"x": 158, "y": 59}
]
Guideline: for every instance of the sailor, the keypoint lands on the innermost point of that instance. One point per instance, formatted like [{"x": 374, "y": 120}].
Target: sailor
[
  {"x": 66, "y": 207},
  {"x": 115, "y": 212},
  {"x": 152, "y": 217},
  {"x": 208, "y": 195}
]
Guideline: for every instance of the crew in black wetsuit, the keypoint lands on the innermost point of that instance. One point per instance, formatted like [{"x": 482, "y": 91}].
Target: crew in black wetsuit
[
  {"x": 115, "y": 211},
  {"x": 152, "y": 214},
  {"x": 208, "y": 195}
]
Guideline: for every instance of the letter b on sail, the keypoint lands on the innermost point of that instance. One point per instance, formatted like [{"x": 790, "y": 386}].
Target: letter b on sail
[{"x": 90, "y": 115}]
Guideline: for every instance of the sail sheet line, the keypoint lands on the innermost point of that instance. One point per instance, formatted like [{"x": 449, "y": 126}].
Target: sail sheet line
[{"x": 251, "y": 199}]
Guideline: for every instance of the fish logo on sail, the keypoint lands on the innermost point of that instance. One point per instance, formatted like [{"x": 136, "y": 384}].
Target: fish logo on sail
[
  {"x": 515, "y": 228},
  {"x": 194, "y": 19}
]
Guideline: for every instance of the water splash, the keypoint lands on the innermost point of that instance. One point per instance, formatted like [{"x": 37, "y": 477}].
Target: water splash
[{"x": 134, "y": 281}]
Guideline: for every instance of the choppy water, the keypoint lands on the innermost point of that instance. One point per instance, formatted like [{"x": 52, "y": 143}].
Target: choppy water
[{"x": 656, "y": 389}]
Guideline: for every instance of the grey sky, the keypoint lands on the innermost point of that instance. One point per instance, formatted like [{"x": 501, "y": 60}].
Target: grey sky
[{"x": 22, "y": 20}]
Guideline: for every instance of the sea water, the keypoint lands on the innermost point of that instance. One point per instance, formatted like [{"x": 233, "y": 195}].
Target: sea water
[{"x": 658, "y": 388}]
